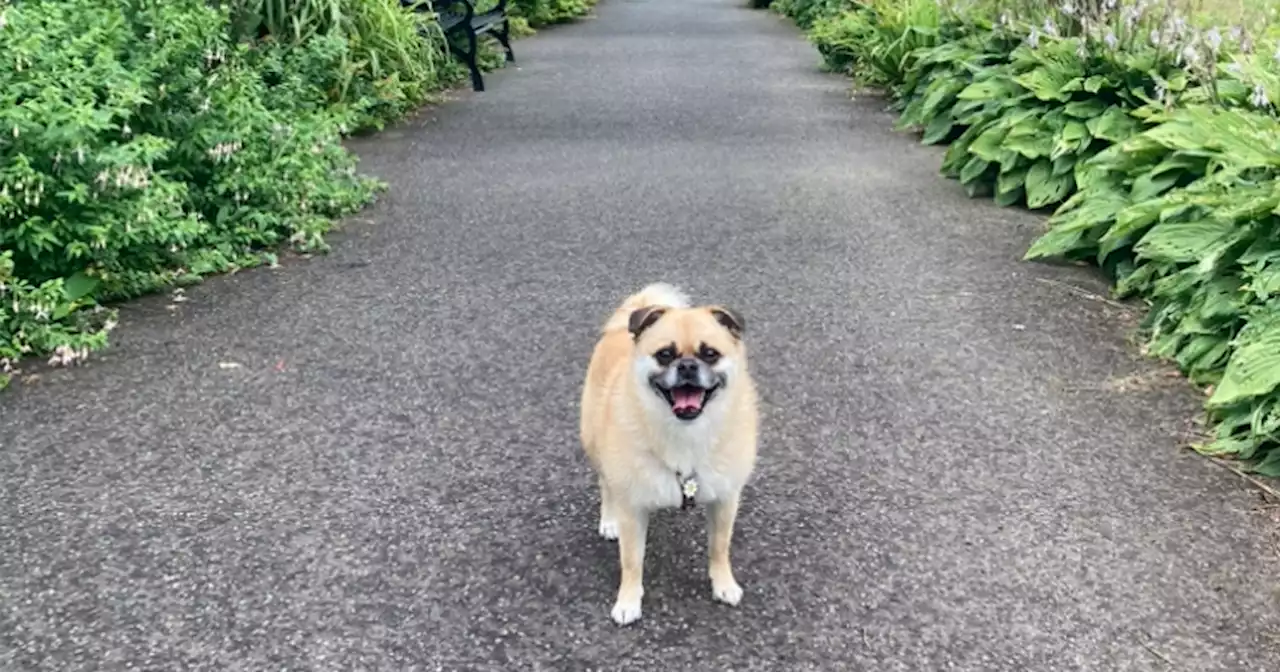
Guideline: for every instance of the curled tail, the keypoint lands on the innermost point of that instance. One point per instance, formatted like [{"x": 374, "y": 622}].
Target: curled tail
[{"x": 655, "y": 294}]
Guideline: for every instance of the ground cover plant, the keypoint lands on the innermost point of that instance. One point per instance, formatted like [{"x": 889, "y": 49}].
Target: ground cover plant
[
  {"x": 148, "y": 143},
  {"x": 1146, "y": 129}
]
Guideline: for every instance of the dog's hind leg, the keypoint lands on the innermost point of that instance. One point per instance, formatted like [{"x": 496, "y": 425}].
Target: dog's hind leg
[
  {"x": 633, "y": 527},
  {"x": 608, "y": 520},
  {"x": 720, "y": 519}
]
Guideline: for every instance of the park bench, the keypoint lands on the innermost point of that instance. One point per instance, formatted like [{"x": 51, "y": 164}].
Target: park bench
[{"x": 459, "y": 18}]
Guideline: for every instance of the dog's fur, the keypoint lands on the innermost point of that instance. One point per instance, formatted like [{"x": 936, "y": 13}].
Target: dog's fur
[{"x": 643, "y": 432}]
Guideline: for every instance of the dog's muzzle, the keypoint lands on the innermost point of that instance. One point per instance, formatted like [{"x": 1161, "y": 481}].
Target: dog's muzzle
[{"x": 687, "y": 385}]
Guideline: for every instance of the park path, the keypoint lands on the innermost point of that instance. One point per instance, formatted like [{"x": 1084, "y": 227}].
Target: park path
[{"x": 963, "y": 464}]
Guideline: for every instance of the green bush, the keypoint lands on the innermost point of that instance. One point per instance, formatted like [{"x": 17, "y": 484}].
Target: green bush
[
  {"x": 385, "y": 69},
  {"x": 1156, "y": 141},
  {"x": 807, "y": 12},
  {"x": 539, "y": 13},
  {"x": 876, "y": 41},
  {"x": 143, "y": 148}
]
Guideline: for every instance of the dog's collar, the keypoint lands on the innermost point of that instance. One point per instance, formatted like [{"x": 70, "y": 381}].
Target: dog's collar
[{"x": 688, "y": 489}]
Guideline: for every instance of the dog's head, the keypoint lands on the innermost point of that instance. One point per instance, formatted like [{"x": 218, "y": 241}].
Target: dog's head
[{"x": 687, "y": 357}]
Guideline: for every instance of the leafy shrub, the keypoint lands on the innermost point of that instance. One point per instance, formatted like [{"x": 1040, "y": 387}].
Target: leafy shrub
[
  {"x": 876, "y": 40},
  {"x": 142, "y": 148},
  {"x": 1184, "y": 215},
  {"x": 386, "y": 69},
  {"x": 807, "y": 12},
  {"x": 1157, "y": 141},
  {"x": 539, "y": 13}
]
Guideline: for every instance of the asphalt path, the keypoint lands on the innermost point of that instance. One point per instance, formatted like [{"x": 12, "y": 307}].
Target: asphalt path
[{"x": 369, "y": 460}]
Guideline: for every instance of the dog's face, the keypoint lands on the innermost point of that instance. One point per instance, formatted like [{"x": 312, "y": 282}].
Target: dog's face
[{"x": 687, "y": 357}]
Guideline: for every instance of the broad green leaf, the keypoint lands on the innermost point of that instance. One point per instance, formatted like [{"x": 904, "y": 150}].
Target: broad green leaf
[
  {"x": 1181, "y": 242},
  {"x": 988, "y": 144},
  {"x": 1009, "y": 186},
  {"x": 1151, "y": 185},
  {"x": 974, "y": 169},
  {"x": 79, "y": 286},
  {"x": 1114, "y": 125},
  {"x": 1043, "y": 188},
  {"x": 1029, "y": 140},
  {"x": 995, "y": 88},
  {"x": 1085, "y": 109},
  {"x": 1269, "y": 466},
  {"x": 937, "y": 130},
  {"x": 1254, "y": 368},
  {"x": 1045, "y": 84}
]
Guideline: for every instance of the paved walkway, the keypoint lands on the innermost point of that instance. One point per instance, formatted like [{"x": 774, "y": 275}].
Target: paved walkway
[{"x": 963, "y": 465}]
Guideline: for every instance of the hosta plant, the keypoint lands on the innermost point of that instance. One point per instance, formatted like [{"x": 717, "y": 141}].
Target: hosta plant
[{"x": 1185, "y": 216}]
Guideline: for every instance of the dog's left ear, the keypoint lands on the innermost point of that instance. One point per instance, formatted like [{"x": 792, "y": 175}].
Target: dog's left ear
[{"x": 729, "y": 319}]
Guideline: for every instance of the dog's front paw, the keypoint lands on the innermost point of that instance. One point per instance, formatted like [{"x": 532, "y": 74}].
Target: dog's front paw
[
  {"x": 626, "y": 611},
  {"x": 727, "y": 591},
  {"x": 609, "y": 529}
]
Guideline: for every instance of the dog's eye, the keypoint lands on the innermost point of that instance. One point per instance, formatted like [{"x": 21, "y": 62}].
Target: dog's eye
[
  {"x": 665, "y": 356},
  {"x": 708, "y": 354}
]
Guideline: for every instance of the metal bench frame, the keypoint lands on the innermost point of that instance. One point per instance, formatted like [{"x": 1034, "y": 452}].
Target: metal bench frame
[{"x": 458, "y": 17}]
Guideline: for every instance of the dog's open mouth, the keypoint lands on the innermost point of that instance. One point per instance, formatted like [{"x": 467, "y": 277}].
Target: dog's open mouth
[{"x": 687, "y": 401}]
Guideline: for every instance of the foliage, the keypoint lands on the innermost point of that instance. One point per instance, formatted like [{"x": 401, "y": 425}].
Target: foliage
[
  {"x": 386, "y": 67},
  {"x": 142, "y": 148},
  {"x": 539, "y": 13},
  {"x": 876, "y": 40},
  {"x": 1185, "y": 215},
  {"x": 1152, "y": 133}
]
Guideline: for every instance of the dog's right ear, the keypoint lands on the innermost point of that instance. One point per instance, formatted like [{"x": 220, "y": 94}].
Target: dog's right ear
[{"x": 643, "y": 318}]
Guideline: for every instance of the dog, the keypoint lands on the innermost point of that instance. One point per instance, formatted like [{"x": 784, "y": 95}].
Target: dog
[{"x": 669, "y": 418}]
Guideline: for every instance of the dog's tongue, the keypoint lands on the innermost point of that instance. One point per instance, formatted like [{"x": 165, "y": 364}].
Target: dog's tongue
[{"x": 686, "y": 399}]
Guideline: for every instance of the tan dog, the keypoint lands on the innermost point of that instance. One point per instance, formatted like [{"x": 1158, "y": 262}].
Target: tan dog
[{"x": 669, "y": 419}]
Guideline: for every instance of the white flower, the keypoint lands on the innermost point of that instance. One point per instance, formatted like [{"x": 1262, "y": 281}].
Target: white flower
[
  {"x": 1189, "y": 55},
  {"x": 1259, "y": 99},
  {"x": 1033, "y": 38},
  {"x": 1068, "y": 8},
  {"x": 1111, "y": 40},
  {"x": 1050, "y": 29},
  {"x": 1213, "y": 38}
]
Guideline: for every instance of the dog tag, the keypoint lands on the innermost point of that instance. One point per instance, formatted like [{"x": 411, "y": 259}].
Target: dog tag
[{"x": 688, "y": 488}]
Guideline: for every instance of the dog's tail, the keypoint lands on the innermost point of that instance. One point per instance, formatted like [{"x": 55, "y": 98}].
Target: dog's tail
[{"x": 656, "y": 294}]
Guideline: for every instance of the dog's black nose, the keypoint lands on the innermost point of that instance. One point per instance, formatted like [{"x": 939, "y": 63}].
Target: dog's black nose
[{"x": 687, "y": 369}]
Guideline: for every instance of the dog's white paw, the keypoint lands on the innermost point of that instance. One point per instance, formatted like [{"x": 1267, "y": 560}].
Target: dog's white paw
[
  {"x": 626, "y": 611},
  {"x": 609, "y": 529},
  {"x": 727, "y": 591}
]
